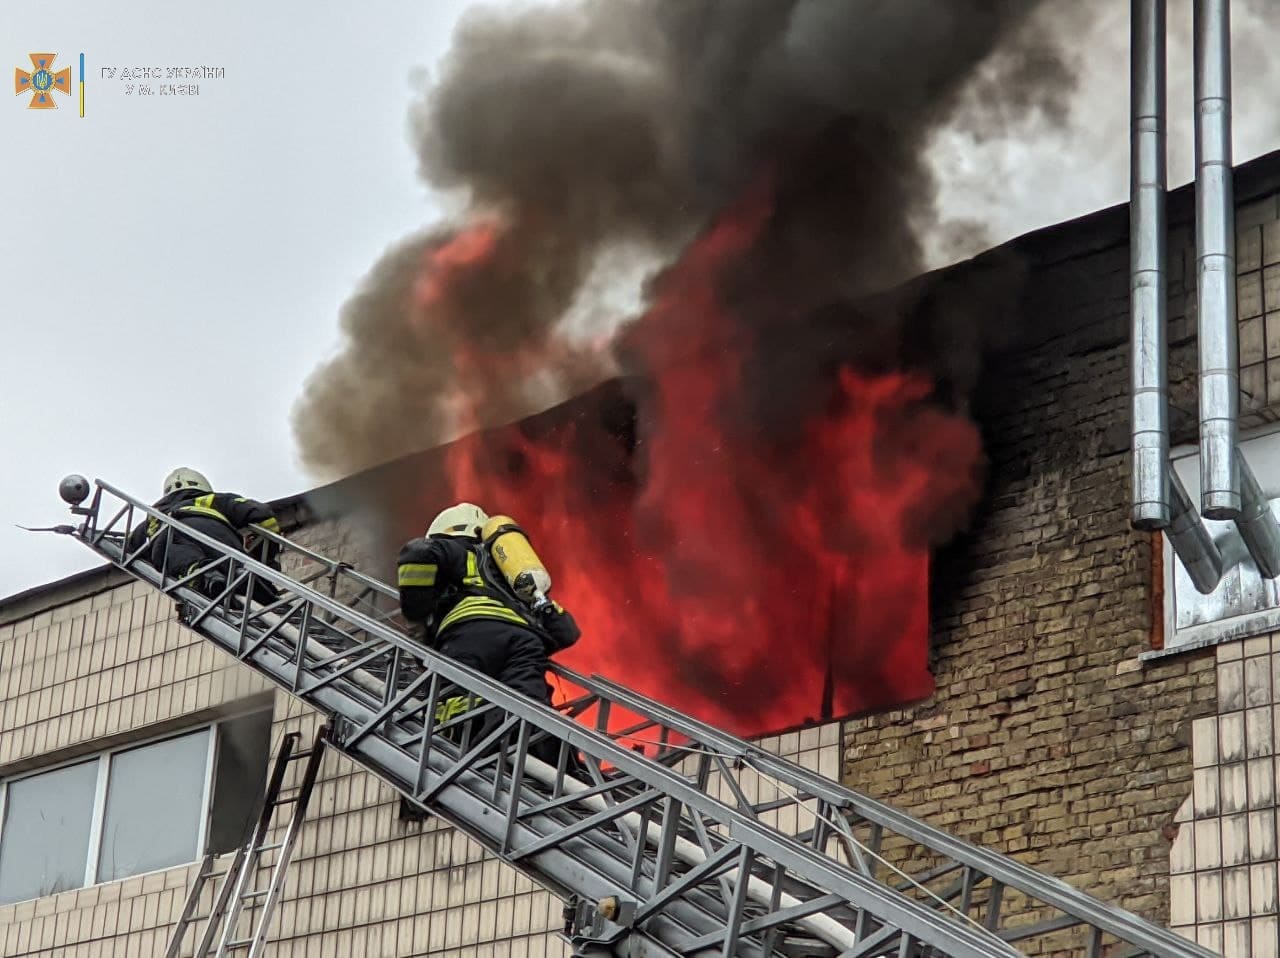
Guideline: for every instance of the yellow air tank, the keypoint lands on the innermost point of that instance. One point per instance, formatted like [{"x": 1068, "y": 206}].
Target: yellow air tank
[{"x": 515, "y": 558}]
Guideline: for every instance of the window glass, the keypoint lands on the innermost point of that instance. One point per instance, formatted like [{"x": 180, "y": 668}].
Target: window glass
[
  {"x": 239, "y": 779},
  {"x": 154, "y": 807},
  {"x": 151, "y": 806},
  {"x": 44, "y": 840}
]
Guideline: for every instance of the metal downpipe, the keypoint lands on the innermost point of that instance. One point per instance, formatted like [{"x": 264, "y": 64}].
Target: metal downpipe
[
  {"x": 1192, "y": 541},
  {"x": 1215, "y": 263},
  {"x": 1148, "y": 299}
]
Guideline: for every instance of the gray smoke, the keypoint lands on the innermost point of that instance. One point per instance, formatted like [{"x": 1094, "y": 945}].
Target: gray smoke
[
  {"x": 1060, "y": 167},
  {"x": 620, "y": 128}
]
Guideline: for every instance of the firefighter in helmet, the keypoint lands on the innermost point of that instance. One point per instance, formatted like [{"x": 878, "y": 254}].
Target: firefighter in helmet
[
  {"x": 223, "y": 516},
  {"x": 450, "y": 585}
]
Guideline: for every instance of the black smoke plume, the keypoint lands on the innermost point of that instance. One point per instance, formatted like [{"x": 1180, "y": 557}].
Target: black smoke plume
[{"x": 620, "y": 128}]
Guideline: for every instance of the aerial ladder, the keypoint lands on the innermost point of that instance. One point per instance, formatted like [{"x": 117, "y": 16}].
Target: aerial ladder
[{"x": 663, "y": 835}]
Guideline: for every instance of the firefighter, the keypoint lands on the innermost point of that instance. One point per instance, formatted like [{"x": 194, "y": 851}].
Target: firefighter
[
  {"x": 450, "y": 587},
  {"x": 223, "y": 516}
]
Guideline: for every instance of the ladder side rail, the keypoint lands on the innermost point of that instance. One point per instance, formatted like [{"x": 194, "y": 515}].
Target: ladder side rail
[
  {"x": 189, "y": 908},
  {"x": 338, "y": 702},
  {"x": 577, "y": 867},
  {"x": 340, "y": 571},
  {"x": 238, "y": 880},
  {"x": 335, "y": 566},
  {"x": 218, "y": 906},
  {"x": 233, "y": 635},
  {"x": 564, "y": 728},
  {"x": 239, "y": 562},
  {"x": 288, "y": 843},
  {"x": 101, "y": 540},
  {"x": 1044, "y": 889}
]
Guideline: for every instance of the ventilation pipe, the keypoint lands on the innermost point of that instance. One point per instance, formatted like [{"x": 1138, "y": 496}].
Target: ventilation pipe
[
  {"x": 1191, "y": 540},
  {"x": 1229, "y": 488},
  {"x": 1257, "y": 523},
  {"x": 1216, "y": 263},
  {"x": 1148, "y": 299}
]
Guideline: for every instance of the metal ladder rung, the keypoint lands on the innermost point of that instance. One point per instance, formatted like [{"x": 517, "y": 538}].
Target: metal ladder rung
[
  {"x": 674, "y": 827},
  {"x": 230, "y": 900}
]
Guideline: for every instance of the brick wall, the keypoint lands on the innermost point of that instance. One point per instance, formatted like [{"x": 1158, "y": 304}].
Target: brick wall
[{"x": 1047, "y": 738}]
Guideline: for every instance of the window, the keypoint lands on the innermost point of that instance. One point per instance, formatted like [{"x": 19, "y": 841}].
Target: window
[
  {"x": 1244, "y": 603},
  {"x": 46, "y": 832},
  {"x": 155, "y": 795},
  {"x": 135, "y": 809}
]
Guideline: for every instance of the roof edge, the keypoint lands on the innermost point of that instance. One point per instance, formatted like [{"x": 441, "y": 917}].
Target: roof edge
[
  {"x": 1255, "y": 179},
  {"x": 79, "y": 585}
]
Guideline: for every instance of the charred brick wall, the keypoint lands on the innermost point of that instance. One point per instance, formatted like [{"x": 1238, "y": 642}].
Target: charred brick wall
[{"x": 1048, "y": 738}]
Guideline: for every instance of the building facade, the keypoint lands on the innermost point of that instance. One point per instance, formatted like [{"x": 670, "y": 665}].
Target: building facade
[
  {"x": 107, "y": 702},
  {"x": 1094, "y": 716},
  {"x": 1091, "y": 716}
]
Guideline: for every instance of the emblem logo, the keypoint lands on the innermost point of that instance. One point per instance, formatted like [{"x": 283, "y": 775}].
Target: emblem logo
[{"x": 42, "y": 82}]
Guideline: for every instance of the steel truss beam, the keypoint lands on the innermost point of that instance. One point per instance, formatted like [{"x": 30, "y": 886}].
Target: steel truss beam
[{"x": 681, "y": 840}]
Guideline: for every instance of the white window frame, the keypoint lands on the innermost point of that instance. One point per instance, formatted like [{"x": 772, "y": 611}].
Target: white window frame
[
  {"x": 102, "y": 784},
  {"x": 1265, "y": 464}
]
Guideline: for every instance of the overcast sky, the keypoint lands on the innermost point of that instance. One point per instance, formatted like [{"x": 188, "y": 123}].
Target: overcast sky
[{"x": 171, "y": 268}]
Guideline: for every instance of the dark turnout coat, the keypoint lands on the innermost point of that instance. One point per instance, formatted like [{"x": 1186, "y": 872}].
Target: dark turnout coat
[
  {"x": 446, "y": 585},
  {"x": 222, "y": 516}
]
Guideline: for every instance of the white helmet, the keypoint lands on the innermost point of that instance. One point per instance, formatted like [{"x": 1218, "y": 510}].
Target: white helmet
[
  {"x": 184, "y": 478},
  {"x": 464, "y": 519}
]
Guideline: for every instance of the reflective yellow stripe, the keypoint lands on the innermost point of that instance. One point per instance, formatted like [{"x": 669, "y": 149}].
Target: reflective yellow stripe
[
  {"x": 200, "y": 510},
  {"x": 480, "y": 607},
  {"x": 503, "y": 615},
  {"x": 475, "y": 603},
  {"x": 453, "y": 707},
  {"x": 473, "y": 572},
  {"x": 417, "y": 573},
  {"x": 271, "y": 524}
]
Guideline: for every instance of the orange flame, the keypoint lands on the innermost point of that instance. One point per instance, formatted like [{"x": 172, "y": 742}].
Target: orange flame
[{"x": 753, "y": 579}]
